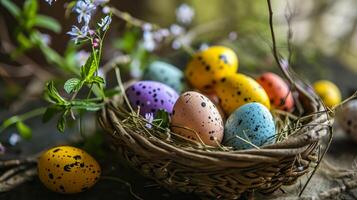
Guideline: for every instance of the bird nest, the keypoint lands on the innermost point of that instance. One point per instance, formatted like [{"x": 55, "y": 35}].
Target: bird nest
[{"x": 180, "y": 164}]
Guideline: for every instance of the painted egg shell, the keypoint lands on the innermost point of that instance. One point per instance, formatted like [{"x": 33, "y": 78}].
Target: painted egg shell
[
  {"x": 165, "y": 73},
  {"x": 195, "y": 115},
  {"x": 328, "y": 92},
  {"x": 209, "y": 66},
  {"x": 278, "y": 91},
  {"x": 249, "y": 124},
  {"x": 151, "y": 96},
  {"x": 67, "y": 169},
  {"x": 237, "y": 90},
  {"x": 347, "y": 118},
  {"x": 215, "y": 100}
]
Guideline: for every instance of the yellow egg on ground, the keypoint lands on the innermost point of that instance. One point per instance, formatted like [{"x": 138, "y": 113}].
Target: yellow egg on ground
[
  {"x": 67, "y": 169},
  {"x": 209, "y": 66},
  {"x": 328, "y": 92},
  {"x": 238, "y": 89}
]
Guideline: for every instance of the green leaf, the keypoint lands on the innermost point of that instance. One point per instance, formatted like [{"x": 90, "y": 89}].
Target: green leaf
[
  {"x": 97, "y": 80},
  {"x": 48, "y": 23},
  {"x": 89, "y": 68},
  {"x": 24, "y": 130},
  {"x": 111, "y": 92},
  {"x": 50, "y": 113},
  {"x": 52, "y": 94},
  {"x": 11, "y": 7},
  {"x": 24, "y": 42},
  {"x": 9, "y": 122},
  {"x": 72, "y": 85},
  {"x": 86, "y": 105},
  {"x": 61, "y": 124},
  {"x": 162, "y": 119},
  {"x": 29, "y": 12}
]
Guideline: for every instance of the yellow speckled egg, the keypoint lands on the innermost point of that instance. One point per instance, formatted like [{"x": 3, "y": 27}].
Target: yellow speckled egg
[
  {"x": 209, "y": 66},
  {"x": 197, "y": 118},
  {"x": 328, "y": 92},
  {"x": 238, "y": 89},
  {"x": 67, "y": 169}
]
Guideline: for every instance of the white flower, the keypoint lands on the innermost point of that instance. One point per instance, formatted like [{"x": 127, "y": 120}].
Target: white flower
[
  {"x": 77, "y": 33},
  {"x": 176, "y": 44},
  {"x": 148, "y": 41},
  {"x": 176, "y": 30},
  {"x": 46, "y": 38},
  {"x": 184, "y": 14},
  {"x": 232, "y": 35},
  {"x": 105, "y": 22},
  {"x": 14, "y": 139},
  {"x": 81, "y": 57},
  {"x": 149, "y": 117},
  {"x": 106, "y": 10},
  {"x": 49, "y": 1},
  {"x": 84, "y": 9},
  {"x": 147, "y": 27},
  {"x": 203, "y": 46}
]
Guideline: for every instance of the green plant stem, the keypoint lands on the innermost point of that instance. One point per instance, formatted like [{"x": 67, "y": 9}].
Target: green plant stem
[{"x": 23, "y": 117}]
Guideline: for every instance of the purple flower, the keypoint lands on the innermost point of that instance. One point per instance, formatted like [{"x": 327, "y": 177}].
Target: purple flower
[
  {"x": 14, "y": 139},
  {"x": 105, "y": 22},
  {"x": 149, "y": 117},
  {"x": 77, "y": 33},
  {"x": 84, "y": 9}
]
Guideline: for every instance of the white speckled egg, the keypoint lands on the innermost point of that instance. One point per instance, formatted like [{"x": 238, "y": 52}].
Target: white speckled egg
[
  {"x": 166, "y": 73},
  {"x": 67, "y": 169},
  {"x": 347, "y": 118},
  {"x": 251, "y": 123},
  {"x": 194, "y": 116}
]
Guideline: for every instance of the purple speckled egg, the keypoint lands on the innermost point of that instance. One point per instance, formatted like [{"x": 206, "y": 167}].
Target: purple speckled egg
[{"x": 151, "y": 96}]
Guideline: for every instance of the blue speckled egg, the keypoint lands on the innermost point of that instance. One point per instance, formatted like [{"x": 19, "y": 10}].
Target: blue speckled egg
[
  {"x": 151, "y": 96},
  {"x": 251, "y": 122},
  {"x": 166, "y": 73}
]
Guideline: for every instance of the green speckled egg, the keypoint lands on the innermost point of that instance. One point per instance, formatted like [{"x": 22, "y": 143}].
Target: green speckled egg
[
  {"x": 166, "y": 73},
  {"x": 67, "y": 169}
]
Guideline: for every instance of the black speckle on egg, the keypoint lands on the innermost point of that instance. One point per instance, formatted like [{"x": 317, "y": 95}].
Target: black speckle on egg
[
  {"x": 203, "y": 104},
  {"x": 50, "y": 175},
  {"x": 207, "y": 67},
  {"x": 223, "y": 79},
  {"x": 56, "y": 150},
  {"x": 138, "y": 93},
  {"x": 77, "y": 157}
]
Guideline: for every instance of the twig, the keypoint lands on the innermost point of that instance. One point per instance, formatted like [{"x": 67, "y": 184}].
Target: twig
[
  {"x": 347, "y": 185},
  {"x": 17, "y": 179}
]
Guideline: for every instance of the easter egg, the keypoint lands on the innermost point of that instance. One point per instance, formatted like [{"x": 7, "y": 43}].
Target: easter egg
[
  {"x": 165, "y": 73},
  {"x": 151, "y": 96},
  {"x": 251, "y": 124},
  {"x": 328, "y": 92},
  {"x": 197, "y": 118},
  {"x": 238, "y": 89},
  {"x": 209, "y": 66},
  {"x": 347, "y": 118},
  {"x": 277, "y": 90},
  {"x": 67, "y": 169}
]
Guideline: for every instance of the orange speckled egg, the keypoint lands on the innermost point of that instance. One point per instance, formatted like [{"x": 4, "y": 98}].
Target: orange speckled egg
[
  {"x": 278, "y": 91},
  {"x": 209, "y": 66},
  {"x": 197, "y": 118},
  {"x": 67, "y": 169}
]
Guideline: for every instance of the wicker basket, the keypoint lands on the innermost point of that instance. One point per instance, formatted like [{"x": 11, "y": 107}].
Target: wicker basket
[{"x": 211, "y": 172}]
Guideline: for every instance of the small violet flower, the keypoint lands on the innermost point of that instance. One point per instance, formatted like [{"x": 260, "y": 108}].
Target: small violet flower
[
  {"x": 184, "y": 14},
  {"x": 149, "y": 117},
  {"x": 84, "y": 9},
  {"x": 77, "y": 33},
  {"x": 148, "y": 41},
  {"x": 46, "y": 38},
  {"x": 176, "y": 30},
  {"x": 96, "y": 42},
  {"x": 105, "y": 22}
]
